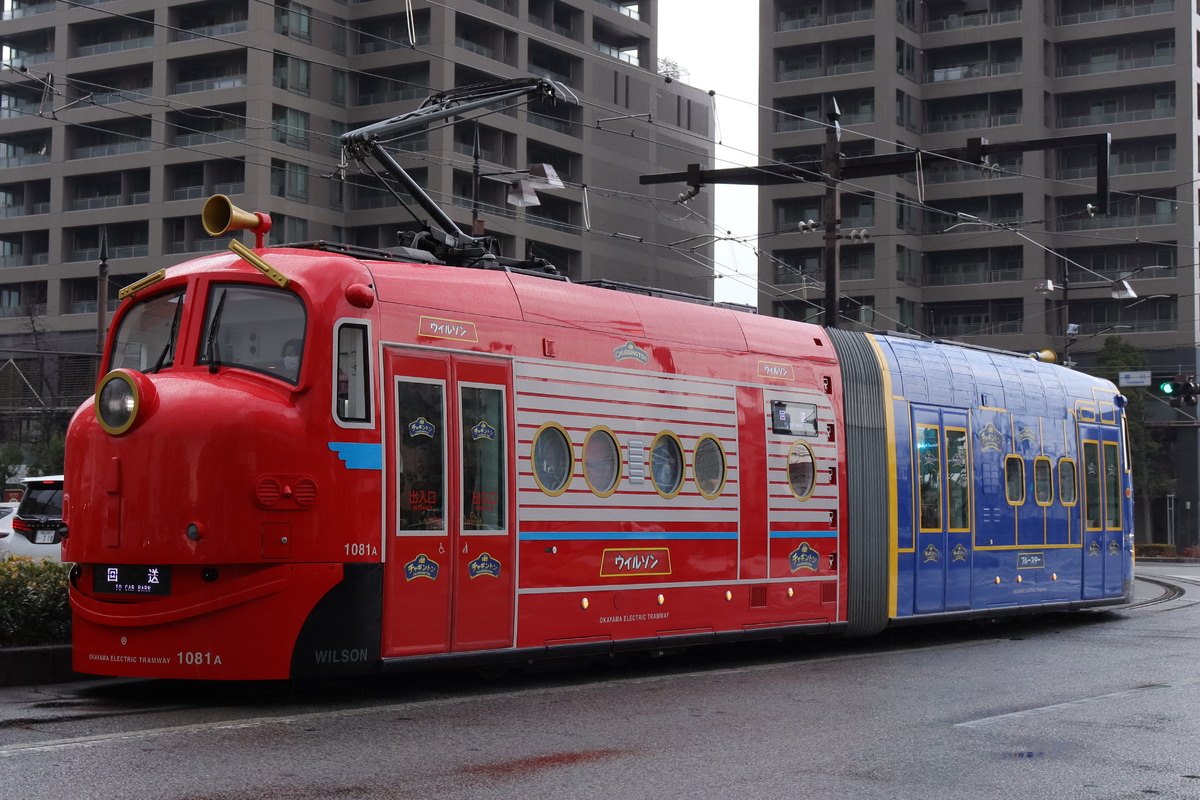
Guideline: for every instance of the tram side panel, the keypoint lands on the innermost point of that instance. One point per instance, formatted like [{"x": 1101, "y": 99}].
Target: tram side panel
[
  {"x": 633, "y": 506},
  {"x": 985, "y": 483}
]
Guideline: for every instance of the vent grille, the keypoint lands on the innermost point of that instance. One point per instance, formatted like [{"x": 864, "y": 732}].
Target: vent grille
[
  {"x": 829, "y": 592},
  {"x": 758, "y": 597},
  {"x": 268, "y": 492},
  {"x": 305, "y": 492}
]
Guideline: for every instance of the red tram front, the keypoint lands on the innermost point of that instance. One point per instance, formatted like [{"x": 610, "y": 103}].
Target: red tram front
[{"x": 307, "y": 463}]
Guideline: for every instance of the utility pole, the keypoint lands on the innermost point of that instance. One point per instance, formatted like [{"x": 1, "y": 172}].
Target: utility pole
[
  {"x": 831, "y": 165},
  {"x": 832, "y": 170},
  {"x": 102, "y": 291}
]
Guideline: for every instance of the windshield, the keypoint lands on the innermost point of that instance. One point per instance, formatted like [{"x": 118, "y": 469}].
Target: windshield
[
  {"x": 41, "y": 500},
  {"x": 254, "y": 327},
  {"x": 148, "y": 333}
]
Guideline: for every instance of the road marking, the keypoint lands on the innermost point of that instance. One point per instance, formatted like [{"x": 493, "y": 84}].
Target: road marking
[{"x": 1050, "y": 709}]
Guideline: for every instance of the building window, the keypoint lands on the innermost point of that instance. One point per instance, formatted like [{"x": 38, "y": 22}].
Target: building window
[
  {"x": 291, "y": 126},
  {"x": 293, "y": 19},
  {"x": 289, "y": 180}
]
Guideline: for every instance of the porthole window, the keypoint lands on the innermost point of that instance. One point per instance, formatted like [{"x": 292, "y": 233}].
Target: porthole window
[
  {"x": 553, "y": 460},
  {"x": 601, "y": 461},
  {"x": 802, "y": 470},
  {"x": 708, "y": 466},
  {"x": 666, "y": 464}
]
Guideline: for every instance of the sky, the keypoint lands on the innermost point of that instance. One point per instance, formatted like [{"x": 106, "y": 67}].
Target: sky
[{"x": 717, "y": 49}]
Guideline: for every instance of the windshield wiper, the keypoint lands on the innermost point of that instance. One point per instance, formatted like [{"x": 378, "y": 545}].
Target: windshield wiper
[
  {"x": 212, "y": 346},
  {"x": 169, "y": 347}
]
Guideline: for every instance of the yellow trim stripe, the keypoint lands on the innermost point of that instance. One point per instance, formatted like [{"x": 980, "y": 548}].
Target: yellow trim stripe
[{"x": 893, "y": 504}]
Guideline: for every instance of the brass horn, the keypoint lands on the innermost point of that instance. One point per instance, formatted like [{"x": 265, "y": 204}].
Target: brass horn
[
  {"x": 220, "y": 216},
  {"x": 1047, "y": 356}
]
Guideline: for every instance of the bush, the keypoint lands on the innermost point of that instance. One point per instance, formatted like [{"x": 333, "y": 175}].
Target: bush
[
  {"x": 33, "y": 602},
  {"x": 1155, "y": 551}
]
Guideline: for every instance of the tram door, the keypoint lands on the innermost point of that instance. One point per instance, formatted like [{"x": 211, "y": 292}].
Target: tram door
[
  {"x": 449, "y": 577},
  {"x": 942, "y": 506},
  {"x": 1100, "y": 474}
]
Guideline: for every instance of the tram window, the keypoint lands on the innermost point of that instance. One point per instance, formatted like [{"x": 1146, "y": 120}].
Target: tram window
[
  {"x": 257, "y": 328},
  {"x": 553, "y": 459},
  {"x": 1014, "y": 479},
  {"x": 1112, "y": 486},
  {"x": 148, "y": 333},
  {"x": 1043, "y": 485},
  {"x": 483, "y": 451},
  {"x": 601, "y": 461},
  {"x": 351, "y": 381},
  {"x": 958, "y": 483},
  {"x": 708, "y": 466},
  {"x": 1067, "y": 482},
  {"x": 802, "y": 470},
  {"x": 929, "y": 477},
  {"x": 666, "y": 464},
  {"x": 421, "y": 476},
  {"x": 795, "y": 419},
  {"x": 1091, "y": 484}
]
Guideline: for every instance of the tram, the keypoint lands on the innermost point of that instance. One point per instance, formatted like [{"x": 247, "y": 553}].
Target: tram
[{"x": 321, "y": 460}]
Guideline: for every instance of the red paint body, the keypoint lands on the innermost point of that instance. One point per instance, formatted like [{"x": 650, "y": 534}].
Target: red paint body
[{"x": 291, "y": 552}]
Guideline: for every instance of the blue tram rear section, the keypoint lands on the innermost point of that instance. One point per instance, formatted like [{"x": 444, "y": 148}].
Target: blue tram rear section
[{"x": 1008, "y": 483}]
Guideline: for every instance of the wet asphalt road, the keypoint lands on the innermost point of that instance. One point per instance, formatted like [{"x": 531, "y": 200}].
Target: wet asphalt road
[{"x": 1091, "y": 705}]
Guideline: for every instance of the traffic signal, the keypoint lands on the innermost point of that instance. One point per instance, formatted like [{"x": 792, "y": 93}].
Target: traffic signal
[
  {"x": 1181, "y": 390},
  {"x": 1190, "y": 390}
]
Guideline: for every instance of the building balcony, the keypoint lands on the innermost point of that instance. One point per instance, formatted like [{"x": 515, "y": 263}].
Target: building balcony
[
  {"x": 30, "y": 309},
  {"x": 1096, "y": 68},
  {"x": 1117, "y": 221},
  {"x": 1112, "y": 118},
  {"x": 209, "y": 137},
  {"x": 114, "y": 253},
  {"x": 1113, "y": 11},
  {"x": 970, "y": 121},
  {"x": 789, "y": 23},
  {"x": 969, "y": 272},
  {"x": 206, "y": 84},
  {"x": 27, "y": 11},
  {"x": 824, "y": 72},
  {"x": 209, "y": 31},
  {"x": 1132, "y": 168},
  {"x": 110, "y": 201},
  {"x": 965, "y": 71},
  {"x": 393, "y": 96},
  {"x": 124, "y": 95},
  {"x": 115, "y": 149},
  {"x": 114, "y": 47},
  {"x": 977, "y": 20}
]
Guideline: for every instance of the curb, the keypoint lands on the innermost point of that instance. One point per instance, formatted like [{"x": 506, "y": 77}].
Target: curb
[{"x": 27, "y": 666}]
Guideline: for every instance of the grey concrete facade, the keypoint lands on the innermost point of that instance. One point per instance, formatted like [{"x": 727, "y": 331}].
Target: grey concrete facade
[
  {"x": 127, "y": 114},
  {"x": 1036, "y": 270}
]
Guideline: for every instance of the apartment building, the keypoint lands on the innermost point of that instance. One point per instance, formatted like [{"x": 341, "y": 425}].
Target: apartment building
[
  {"x": 123, "y": 116},
  {"x": 1010, "y": 256}
]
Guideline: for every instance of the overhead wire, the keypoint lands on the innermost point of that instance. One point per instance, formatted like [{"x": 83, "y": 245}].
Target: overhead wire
[{"x": 759, "y": 284}]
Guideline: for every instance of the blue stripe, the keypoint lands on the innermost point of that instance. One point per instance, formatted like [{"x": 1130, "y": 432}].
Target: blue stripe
[
  {"x": 804, "y": 534},
  {"x": 359, "y": 455},
  {"x": 546, "y": 536}
]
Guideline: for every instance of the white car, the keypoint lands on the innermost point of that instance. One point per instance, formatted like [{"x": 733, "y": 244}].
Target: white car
[
  {"x": 35, "y": 528},
  {"x": 6, "y": 519}
]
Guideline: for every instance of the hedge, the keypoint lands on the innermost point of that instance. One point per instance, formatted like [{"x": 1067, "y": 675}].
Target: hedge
[
  {"x": 1155, "y": 551},
  {"x": 33, "y": 602}
]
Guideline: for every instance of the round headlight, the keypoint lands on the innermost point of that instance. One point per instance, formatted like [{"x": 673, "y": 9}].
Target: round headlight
[{"x": 117, "y": 402}]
